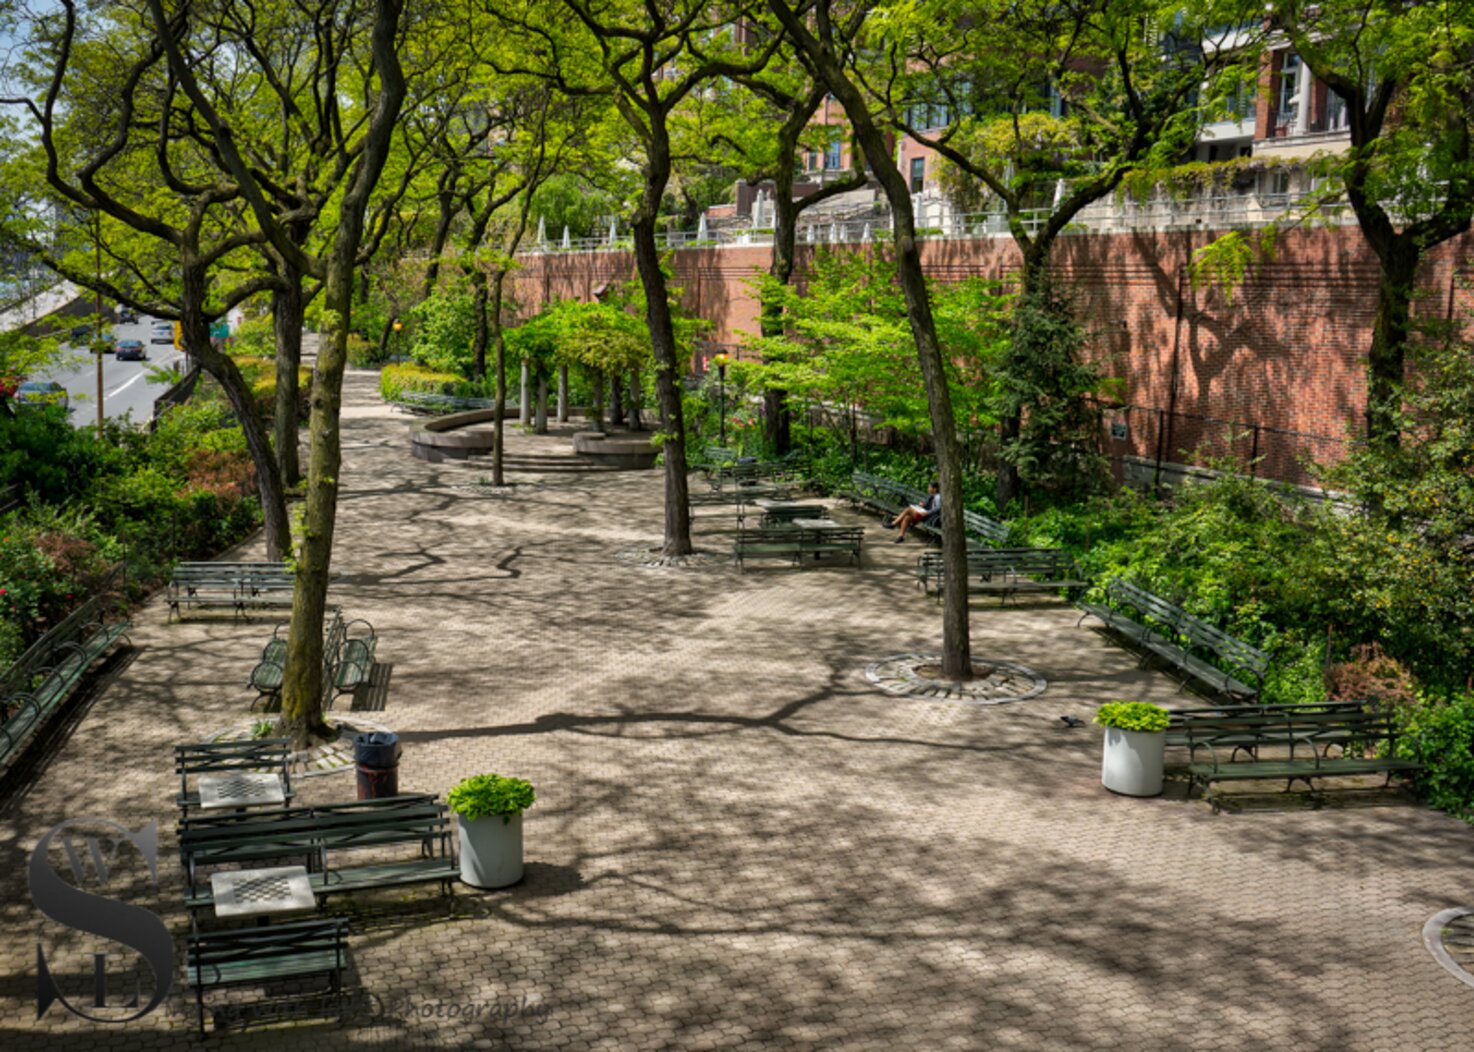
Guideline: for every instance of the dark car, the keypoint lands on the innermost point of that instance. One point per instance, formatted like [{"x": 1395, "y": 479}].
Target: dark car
[
  {"x": 42, "y": 392},
  {"x": 81, "y": 332},
  {"x": 131, "y": 351},
  {"x": 127, "y": 316}
]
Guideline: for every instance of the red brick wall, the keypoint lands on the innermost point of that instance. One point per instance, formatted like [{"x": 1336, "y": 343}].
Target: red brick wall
[{"x": 1285, "y": 352}]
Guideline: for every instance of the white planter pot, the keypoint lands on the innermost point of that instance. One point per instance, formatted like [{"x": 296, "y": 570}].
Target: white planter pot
[
  {"x": 491, "y": 851},
  {"x": 1131, "y": 763}
]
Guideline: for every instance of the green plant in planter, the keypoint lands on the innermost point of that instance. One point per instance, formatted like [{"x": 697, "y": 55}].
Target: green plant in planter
[
  {"x": 491, "y": 794},
  {"x": 1133, "y": 716}
]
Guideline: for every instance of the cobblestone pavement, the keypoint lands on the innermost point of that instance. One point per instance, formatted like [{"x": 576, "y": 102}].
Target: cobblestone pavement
[{"x": 738, "y": 841}]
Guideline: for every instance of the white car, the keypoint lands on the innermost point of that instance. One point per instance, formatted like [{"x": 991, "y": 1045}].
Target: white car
[{"x": 161, "y": 332}]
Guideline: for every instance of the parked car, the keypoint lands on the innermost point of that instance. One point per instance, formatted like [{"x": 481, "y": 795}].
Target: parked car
[
  {"x": 81, "y": 333},
  {"x": 42, "y": 392},
  {"x": 127, "y": 316},
  {"x": 162, "y": 332},
  {"x": 131, "y": 351}
]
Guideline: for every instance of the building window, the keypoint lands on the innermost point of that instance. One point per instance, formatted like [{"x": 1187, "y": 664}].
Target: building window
[
  {"x": 833, "y": 156},
  {"x": 918, "y": 174},
  {"x": 1287, "y": 107},
  {"x": 1336, "y": 119}
]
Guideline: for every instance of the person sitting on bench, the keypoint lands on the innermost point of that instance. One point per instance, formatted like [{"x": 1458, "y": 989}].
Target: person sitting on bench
[{"x": 927, "y": 512}]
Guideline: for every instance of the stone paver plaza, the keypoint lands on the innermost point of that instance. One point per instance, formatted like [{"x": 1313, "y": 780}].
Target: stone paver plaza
[{"x": 739, "y": 842}]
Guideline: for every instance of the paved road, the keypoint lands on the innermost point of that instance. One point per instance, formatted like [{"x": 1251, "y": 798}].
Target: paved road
[{"x": 127, "y": 386}]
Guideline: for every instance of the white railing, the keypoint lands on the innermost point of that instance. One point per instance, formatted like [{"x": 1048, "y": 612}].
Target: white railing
[{"x": 937, "y": 221}]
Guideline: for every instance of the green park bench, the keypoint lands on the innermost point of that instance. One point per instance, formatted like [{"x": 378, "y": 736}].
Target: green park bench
[
  {"x": 238, "y": 586},
  {"x": 794, "y": 542},
  {"x": 50, "y": 670},
  {"x": 1009, "y": 571},
  {"x": 1224, "y": 714},
  {"x": 1201, "y": 651},
  {"x": 888, "y": 498},
  {"x": 1292, "y": 746},
  {"x": 880, "y": 495},
  {"x": 264, "y": 956},
  {"x": 428, "y": 402},
  {"x": 248, "y": 755},
  {"x": 328, "y": 839},
  {"x": 348, "y": 658},
  {"x": 1004, "y": 570}
]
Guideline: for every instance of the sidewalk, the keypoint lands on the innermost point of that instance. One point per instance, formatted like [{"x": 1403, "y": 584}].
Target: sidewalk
[{"x": 738, "y": 842}]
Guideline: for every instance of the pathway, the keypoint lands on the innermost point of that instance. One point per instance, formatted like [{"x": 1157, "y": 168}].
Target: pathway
[{"x": 738, "y": 843}]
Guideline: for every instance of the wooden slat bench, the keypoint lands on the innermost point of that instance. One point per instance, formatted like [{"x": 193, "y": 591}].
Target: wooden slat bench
[
  {"x": 428, "y": 402},
  {"x": 1004, "y": 570},
  {"x": 1224, "y": 714},
  {"x": 1007, "y": 572},
  {"x": 262, "y": 955},
  {"x": 1301, "y": 744},
  {"x": 1200, "y": 650},
  {"x": 325, "y": 838},
  {"x": 260, "y": 754},
  {"x": 349, "y": 652},
  {"x": 50, "y": 670},
  {"x": 794, "y": 542},
  {"x": 889, "y": 498},
  {"x": 237, "y": 586}
]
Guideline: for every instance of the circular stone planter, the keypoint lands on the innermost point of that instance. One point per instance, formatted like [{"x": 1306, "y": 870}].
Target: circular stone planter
[
  {"x": 1131, "y": 761},
  {"x": 630, "y": 452},
  {"x": 491, "y": 851}
]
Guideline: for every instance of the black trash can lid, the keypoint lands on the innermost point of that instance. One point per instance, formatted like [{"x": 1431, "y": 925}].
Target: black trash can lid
[{"x": 376, "y": 748}]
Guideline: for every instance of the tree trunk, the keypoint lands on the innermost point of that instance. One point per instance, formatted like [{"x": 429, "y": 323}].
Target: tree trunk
[
  {"x": 498, "y": 283},
  {"x": 540, "y": 419},
  {"x": 524, "y": 400},
  {"x": 562, "y": 394},
  {"x": 668, "y": 367},
  {"x": 956, "y": 643},
  {"x": 287, "y": 309},
  {"x": 635, "y": 423},
  {"x": 302, "y": 683},
  {"x": 777, "y": 418},
  {"x": 599, "y": 402},
  {"x": 1008, "y": 485},
  {"x": 195, "y": 328},
  {"x": 479, "y": 326},
  {"x": 1386, "y": 361},
  {"x": 616, "y": 401}
]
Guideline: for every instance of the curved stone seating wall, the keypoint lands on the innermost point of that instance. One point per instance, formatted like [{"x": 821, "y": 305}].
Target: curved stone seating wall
[
  {"x": 618, "y": 450},
  {"x": 444, "y": 438}
]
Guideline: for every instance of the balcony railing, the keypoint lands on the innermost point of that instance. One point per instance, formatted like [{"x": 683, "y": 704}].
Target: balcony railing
[{"x": 935, "y": 221}]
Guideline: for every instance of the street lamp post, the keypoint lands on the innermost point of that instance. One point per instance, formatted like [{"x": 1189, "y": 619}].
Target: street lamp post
[
  {"x": 721, "y": 363},
  {"x": 397, "y": 326}
]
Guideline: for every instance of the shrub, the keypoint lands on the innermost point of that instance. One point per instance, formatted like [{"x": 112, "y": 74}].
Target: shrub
[
  {"x": 395, "y": 379},
  {"x": 1440, "y": 733},
  {"x": 491, "y": 794},
  {"x": 362, "y": 353},
  {"x": 444, "y": 330},
  {"x": 1133, "y": 716}
]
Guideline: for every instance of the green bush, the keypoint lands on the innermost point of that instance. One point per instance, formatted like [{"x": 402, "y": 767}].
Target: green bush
[
  {"x": 445, "y": 327},
  {"x": 397, "y": 378},
  {"x": 185, "y": 489},
  {"x": 490, "y": 794},
  {"x": 362, "y": 353},
  {"x": 1440, "y": 733},
  {"x": 1133, "y": 716}
]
